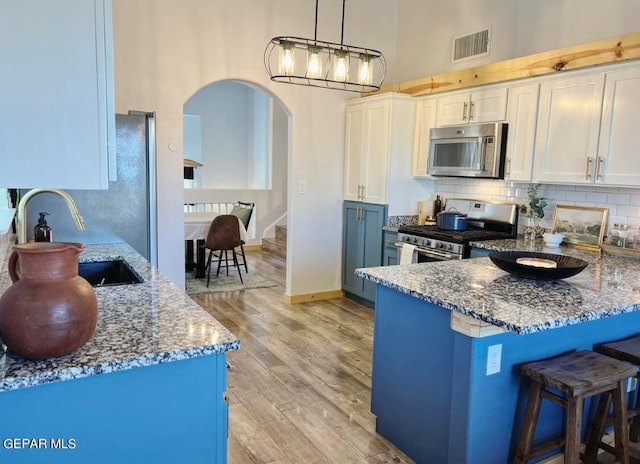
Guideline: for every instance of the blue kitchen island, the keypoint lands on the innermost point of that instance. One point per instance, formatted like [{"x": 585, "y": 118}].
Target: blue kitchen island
[
  {"x": 150, "y": 386},
  {"x": 449, "y": 338}
]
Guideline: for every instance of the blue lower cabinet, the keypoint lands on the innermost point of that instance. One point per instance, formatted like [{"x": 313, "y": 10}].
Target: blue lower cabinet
[
  {"x": 362, "y": 244},
  {"x": 431, "y": 393},
  {"x": 164, "y": 413},
  {"x": 390, "y": 254},
  {"x": 479, "y": 252}
]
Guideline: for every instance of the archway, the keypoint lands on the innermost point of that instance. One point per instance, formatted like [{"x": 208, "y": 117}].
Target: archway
[{"x": 237, "y": 133}]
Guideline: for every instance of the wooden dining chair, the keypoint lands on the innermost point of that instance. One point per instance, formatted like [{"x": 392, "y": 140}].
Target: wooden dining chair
[
  {"x": 223, "y": 236},
  {"x": 243, "y": 211}
]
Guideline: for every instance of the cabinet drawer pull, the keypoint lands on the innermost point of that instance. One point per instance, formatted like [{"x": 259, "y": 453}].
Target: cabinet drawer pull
[
  {"x": 508, "y": 173},
  {"x": 470, "y": 111},
  {"x": 587, "y": 174},
  {"x": 464, "y": 111},
  {"x": 364, "y": 188}
]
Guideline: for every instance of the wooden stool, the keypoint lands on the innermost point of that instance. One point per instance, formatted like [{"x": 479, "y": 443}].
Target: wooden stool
[
  {"x": 625, "y": 350},
  {"x": 577, "y": 375}
]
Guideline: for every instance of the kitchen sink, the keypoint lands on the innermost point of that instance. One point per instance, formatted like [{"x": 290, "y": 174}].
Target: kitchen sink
[{"x": 104, "y": 273}]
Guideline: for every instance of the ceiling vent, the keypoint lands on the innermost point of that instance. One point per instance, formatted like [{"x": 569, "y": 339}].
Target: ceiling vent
[{"x": 471, "y": 45}]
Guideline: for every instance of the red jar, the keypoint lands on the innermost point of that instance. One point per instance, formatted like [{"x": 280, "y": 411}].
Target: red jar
[{"x": 49, "y": 310}]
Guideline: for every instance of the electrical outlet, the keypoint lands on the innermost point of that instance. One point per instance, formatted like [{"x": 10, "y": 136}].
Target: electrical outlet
[{"x": 494, "y": 357}]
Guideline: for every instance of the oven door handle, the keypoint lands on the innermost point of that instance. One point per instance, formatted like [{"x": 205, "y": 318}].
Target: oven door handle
[{"x": 430, "y": 252}]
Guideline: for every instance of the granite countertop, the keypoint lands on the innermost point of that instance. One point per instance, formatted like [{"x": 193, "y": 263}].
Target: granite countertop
[
  {"x": 520, "y": 244},
  {"x": 395, "y": 222},
  {"x": 138, "y": 325},
  {"x": 608, "y": 286}
]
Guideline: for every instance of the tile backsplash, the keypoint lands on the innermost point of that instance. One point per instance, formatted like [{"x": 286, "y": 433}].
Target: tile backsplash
[{"x": 623, "y": 202}]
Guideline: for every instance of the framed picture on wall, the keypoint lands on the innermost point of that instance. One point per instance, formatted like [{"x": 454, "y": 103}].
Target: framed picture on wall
[{"x": 581, "y": 225}]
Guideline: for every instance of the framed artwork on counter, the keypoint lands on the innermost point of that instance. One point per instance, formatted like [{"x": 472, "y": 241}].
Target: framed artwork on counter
[{"x": 581, "y": 226}]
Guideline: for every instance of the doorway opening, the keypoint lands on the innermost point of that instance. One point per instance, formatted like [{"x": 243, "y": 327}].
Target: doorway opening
[{"x": 236, "y": 149}]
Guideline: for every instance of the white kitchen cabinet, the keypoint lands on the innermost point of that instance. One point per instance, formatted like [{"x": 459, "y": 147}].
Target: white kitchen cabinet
[
  {"x": 376, "y": 130},
  {"x": 426, "y": 110},
  {"x": 56, "y": 93},
  {"x": 568, "y": 127},
  {"x": 522, "y": 111},
  {"x": 478, "y": 106},
  {"x": 618, "y": 162}
]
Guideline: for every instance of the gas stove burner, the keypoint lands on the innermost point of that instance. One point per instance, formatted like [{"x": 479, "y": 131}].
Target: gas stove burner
[{"x": 455, "y": 236}]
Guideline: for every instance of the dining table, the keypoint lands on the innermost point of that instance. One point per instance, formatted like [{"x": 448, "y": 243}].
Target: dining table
[{"x": 196, "y": 228}]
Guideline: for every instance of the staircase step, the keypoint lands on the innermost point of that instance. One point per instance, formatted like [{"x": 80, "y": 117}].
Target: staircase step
[
  {"x": 275, "y": 247},
  {"x": 281, "y": 234}
]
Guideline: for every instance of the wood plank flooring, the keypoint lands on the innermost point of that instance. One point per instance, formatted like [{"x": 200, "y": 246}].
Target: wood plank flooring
[{"x": 300, "y": 385}]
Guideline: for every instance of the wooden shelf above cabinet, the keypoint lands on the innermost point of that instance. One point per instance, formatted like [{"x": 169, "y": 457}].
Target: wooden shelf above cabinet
[{"x": 623, "y": 48}]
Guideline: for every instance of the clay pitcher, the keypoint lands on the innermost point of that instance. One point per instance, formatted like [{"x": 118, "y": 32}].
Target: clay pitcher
[{"x": 49, "y": 310}]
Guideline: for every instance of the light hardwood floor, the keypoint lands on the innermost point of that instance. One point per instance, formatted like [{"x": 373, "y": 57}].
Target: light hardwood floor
[{"x": 300, "y": 384}]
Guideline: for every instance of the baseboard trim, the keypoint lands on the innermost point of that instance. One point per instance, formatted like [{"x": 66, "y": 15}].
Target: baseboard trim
[{"x": 316, "y": 296}]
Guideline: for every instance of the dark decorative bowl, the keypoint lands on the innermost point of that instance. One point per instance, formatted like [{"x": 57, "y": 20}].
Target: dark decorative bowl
[{"x": 512, "y": 262}]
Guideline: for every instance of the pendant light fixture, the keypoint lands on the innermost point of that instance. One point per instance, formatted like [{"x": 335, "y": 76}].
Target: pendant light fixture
[{"x": 329, "y": 65}]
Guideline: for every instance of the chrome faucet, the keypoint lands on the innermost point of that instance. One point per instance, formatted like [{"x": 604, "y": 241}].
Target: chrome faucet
[{"x": 21, "y": 221}]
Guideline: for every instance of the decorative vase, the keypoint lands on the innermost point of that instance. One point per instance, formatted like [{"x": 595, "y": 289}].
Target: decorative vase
[
  {"x": 49, "y": 310},
  {"x": 534, "y": 230}
]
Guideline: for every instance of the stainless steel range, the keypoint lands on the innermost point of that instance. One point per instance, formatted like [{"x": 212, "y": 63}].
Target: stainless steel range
[{"x": 485, "y": 221}]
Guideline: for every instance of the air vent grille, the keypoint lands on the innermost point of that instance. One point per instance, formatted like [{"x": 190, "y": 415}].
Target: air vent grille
[{"x": 471, "y": 45}]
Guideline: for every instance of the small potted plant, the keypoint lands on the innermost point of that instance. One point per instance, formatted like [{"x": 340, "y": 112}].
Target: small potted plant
[{"x": 534, "y": 211}]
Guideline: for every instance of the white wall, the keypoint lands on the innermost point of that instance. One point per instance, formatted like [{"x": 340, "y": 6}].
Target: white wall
[
  {"x": 259, "y": 169},
  {"x": 519, "y": 27},
  {"x": 572, "y": 22},
  {"x": 224, "y": 109},
  {"x": 166, "y": 50}
]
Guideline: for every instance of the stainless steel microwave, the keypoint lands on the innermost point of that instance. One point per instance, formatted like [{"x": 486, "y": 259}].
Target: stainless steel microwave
[{"x": 474, "y": 150}]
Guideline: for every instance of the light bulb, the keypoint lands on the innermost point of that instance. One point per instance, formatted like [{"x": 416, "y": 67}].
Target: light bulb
[
  {"x": 365, "y": 70},
  {"x": 314, "y": 63},
  {"x": 286, "y": 63},
  {"x": 341, "y": 66}
]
